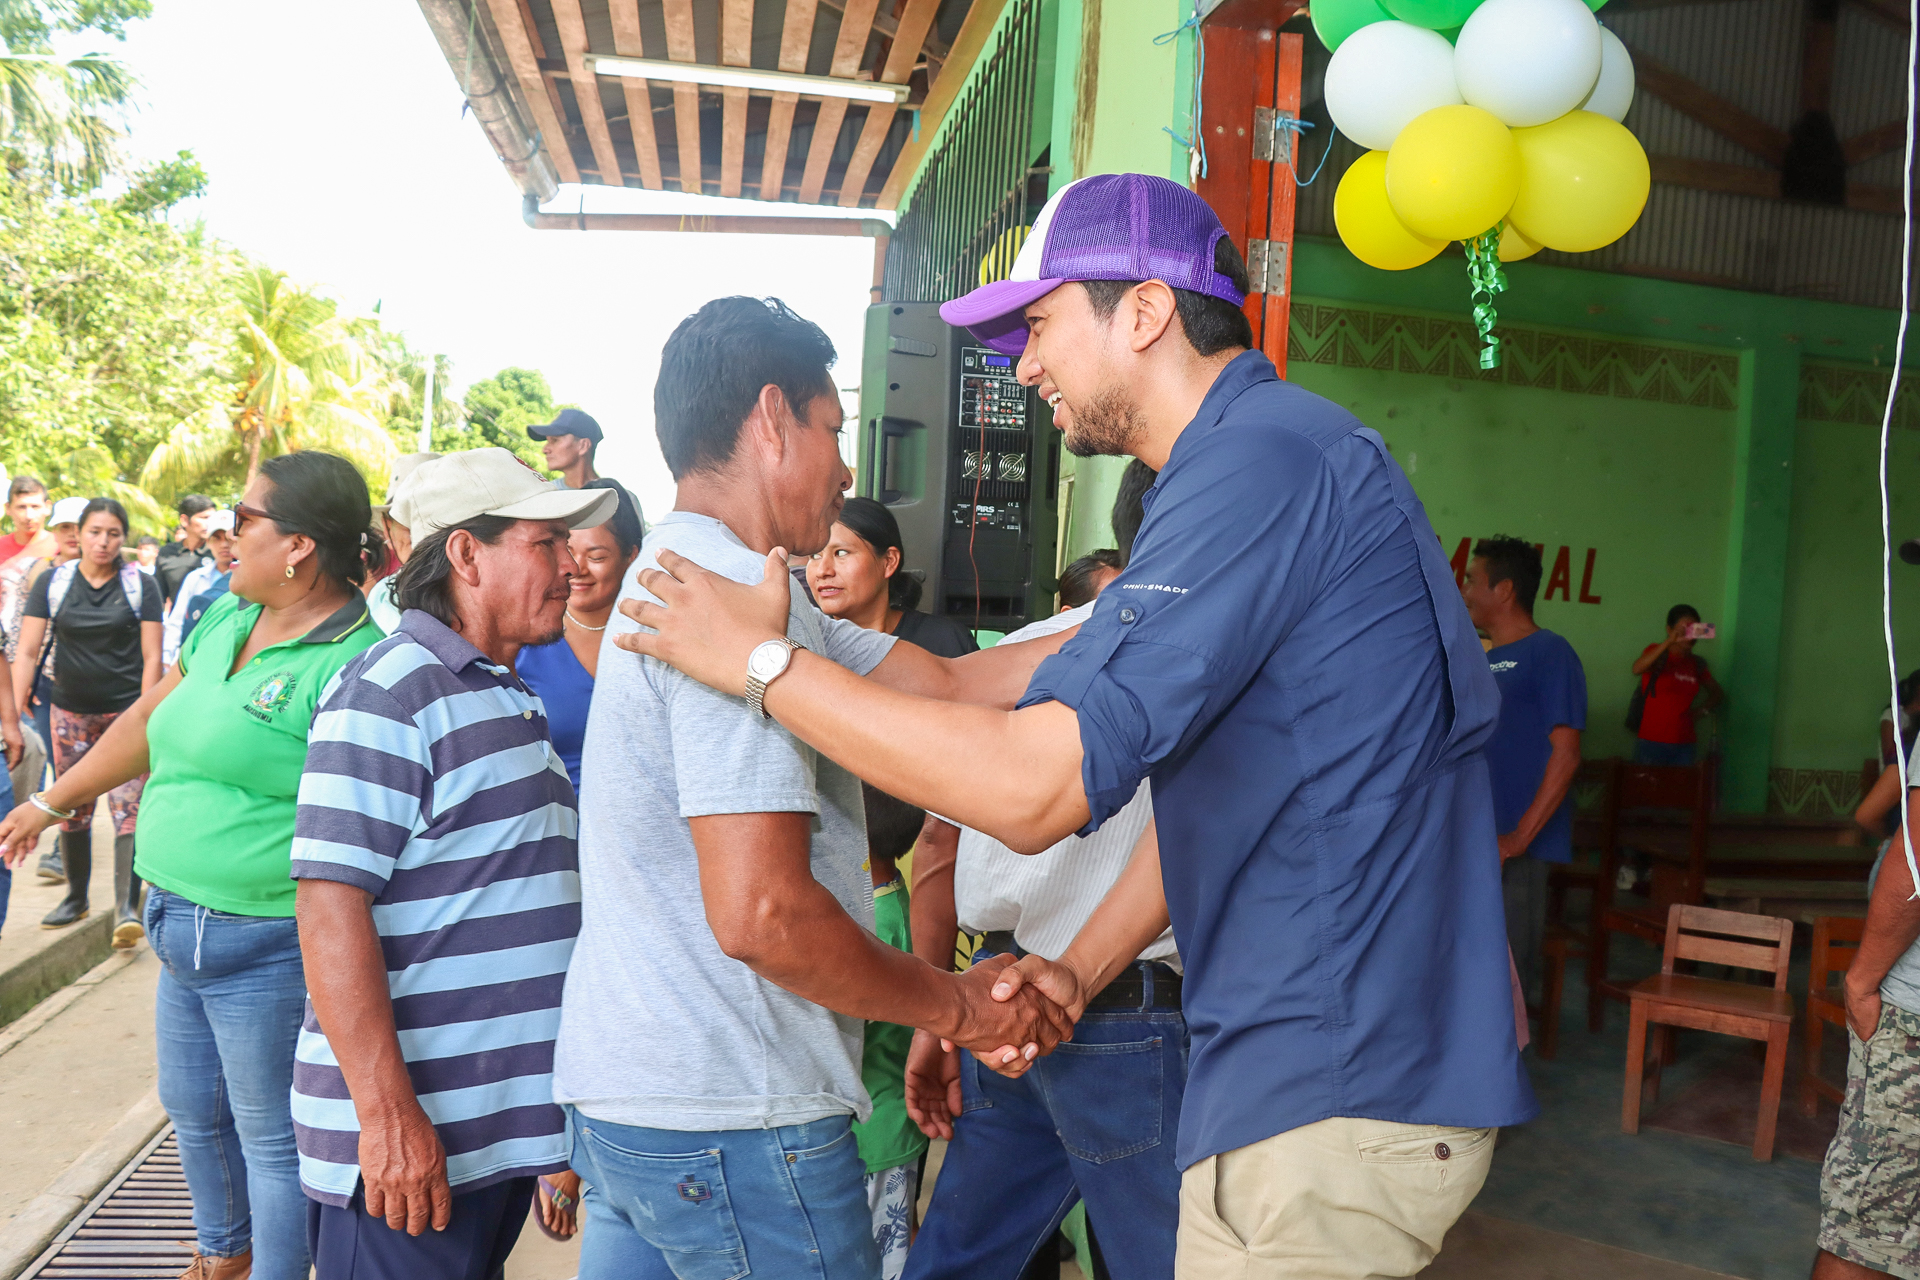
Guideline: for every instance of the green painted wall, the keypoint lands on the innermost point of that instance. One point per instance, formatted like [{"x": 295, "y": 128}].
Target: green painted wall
[{"x": 1643, "y": 485}]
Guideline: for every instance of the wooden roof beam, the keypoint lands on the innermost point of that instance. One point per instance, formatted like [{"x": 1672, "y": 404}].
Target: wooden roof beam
[
  {"x": 968, "y": 45},
  {"x": 627, "y": 41},
  {"x": 525, "y": 62},
  {"x": 586, "y": 90},
  {"x": 736, "y": 50},
  {"x": 1701, "y": 104},
  {"x": 932, "y": 47},
  {"x": 796, "y": 37},
  {"x": 686, "y": 97},
  {"x": 1877, "y": 141},
  {"x": 1747, "y": 180},
  {"x": 915, "y": 22},
  {"x": 849, "y": 50},
  {"x": 1891, "y": 12}
]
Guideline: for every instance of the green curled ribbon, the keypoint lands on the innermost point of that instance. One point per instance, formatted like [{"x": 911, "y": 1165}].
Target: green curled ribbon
[{"x": 1487, "y": 278}]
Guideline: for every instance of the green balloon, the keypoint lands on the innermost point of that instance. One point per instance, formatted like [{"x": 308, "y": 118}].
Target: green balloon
[
  {"x": 1434, "y": 15},
  {"x": 1335, "y": 20},
  {"x": 1453, "y": 34},
  {"x": 1595, "y": 4}
]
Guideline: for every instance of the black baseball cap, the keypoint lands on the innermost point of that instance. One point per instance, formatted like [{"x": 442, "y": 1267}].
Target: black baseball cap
[{"x": 569, "y": 422}]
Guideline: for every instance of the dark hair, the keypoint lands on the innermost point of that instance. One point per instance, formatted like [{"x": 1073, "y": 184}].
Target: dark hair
[
  {"x": 625, "y": 523},
  {"x": 1680, "y": 611},
  {"x": 1212, "y": 324},
  {"x": 1909, "y": 687},
  {"x": 1076, "y": 580},
  {"x": 323, "y": 497},
  {"x": 112, "y": 508},
  {"x": 1512, "y": 560},
  {"x": 425, "y": 581},
  {"x": 23, "y": 485},
  {"x": 892, "y": 824},
  {"x": 876, "y": 525},
  {"x": 714, "y": 366},
  {"x": 146, "y": 540},
  {"x": 194, "y": 503},
  {"x": 1128, "y": 506}
]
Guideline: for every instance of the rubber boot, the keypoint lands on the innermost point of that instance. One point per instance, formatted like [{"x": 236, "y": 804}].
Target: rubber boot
[
  {"x": 50, "y": 868},
  {"x": 76, "y": 853},
  {"x": 126, "y": 896}
]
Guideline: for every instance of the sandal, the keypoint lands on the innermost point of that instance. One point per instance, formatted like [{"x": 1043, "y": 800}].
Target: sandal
[{"x": 550, "y": 1194}]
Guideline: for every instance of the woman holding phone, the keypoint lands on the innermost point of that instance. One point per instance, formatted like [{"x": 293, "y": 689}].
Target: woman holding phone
[{"x": 1672, "y": 677}]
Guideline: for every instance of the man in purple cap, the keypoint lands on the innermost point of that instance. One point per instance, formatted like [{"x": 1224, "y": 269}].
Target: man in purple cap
[{"x": 1287, "y": 658}]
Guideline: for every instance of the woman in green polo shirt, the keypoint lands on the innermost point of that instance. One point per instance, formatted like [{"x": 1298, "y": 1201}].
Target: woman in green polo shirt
[{"x": 224, "y": 737}]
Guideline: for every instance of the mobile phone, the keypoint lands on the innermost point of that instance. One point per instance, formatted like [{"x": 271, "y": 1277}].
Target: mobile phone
[{"x": 1700, "y": 631}]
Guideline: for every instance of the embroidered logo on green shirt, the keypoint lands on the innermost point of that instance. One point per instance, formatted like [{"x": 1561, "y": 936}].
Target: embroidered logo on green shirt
[{"x": 272, "y": 697}]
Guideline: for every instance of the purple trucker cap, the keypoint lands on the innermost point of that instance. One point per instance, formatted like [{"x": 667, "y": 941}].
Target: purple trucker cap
[{"x": 1117, "y": 226}]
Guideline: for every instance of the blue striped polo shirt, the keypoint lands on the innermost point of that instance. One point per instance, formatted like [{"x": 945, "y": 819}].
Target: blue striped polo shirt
[{"x": 432, "y": 784}]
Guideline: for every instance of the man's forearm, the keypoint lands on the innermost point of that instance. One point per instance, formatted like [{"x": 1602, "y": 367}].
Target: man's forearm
[
  {"x": 935, "y": 921},
  {"x": 995, "y": 677},
  {"x": 346, "y": 976},
  {"x": 1562, "y": 765},
  {"x": 1126, "y": 922},
  {"x": 1893, "y": 917},
  {"x": 1012, "y": 774}
]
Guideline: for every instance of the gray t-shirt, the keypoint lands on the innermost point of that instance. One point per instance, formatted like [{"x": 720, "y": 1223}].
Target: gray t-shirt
[{"x": 658, "y": 1027}]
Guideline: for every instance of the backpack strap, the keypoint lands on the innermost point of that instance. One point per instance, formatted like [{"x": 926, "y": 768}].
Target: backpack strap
[
  {"x": 57, "y": 588},
  {"x": 132, "y": 587}
]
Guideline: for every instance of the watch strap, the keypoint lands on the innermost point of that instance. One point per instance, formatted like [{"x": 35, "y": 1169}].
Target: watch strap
[{"x": 757, "y": 688}]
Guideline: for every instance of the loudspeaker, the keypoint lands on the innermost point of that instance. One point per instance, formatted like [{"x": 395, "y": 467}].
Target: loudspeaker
[{"x": 969, "y": 462}]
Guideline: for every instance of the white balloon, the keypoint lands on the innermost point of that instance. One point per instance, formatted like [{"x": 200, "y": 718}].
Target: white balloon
[
  {"x": 1385, "y": 74},
  {"x": 1613, "y": 91},
  {"x": 1527, "y": 61}
]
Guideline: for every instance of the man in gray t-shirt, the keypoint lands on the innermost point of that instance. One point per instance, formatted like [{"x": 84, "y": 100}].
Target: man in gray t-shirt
[{"x": 713, "y": 1017}]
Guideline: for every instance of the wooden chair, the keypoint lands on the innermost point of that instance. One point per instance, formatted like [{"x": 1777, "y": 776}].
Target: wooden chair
[
  {"x": 1679, "y": 871},
  {"x": 1670, "y": 1000},
  {"x": 1836, "y": 939}
]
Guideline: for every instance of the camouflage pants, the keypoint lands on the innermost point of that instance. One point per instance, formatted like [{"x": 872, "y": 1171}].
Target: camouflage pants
[
  {"x": 1870, "y": 1185},
  {"x": 73, "y": 736}
]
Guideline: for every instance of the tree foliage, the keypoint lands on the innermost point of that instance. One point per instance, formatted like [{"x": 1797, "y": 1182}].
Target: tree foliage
[
  {"x": 498, "y": 412},
  {"x": 59, "y": 117}
]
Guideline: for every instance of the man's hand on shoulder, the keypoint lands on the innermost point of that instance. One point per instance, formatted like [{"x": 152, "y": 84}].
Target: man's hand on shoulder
[{"x": 706, "y": 624}]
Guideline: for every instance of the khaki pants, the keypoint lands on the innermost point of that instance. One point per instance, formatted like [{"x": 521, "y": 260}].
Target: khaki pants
[{"x": 1337, "y": 1200}]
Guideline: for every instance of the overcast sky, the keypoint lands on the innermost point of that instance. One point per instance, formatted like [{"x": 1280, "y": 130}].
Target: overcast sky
[{"x": 335, "y": 151}]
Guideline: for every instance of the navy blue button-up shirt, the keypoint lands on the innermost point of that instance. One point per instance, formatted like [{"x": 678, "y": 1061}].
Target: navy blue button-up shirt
[{"x": 1288, "y": 659}]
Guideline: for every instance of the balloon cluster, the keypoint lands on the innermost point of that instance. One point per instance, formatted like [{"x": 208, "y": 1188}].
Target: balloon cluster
[{"x": 1492, "y": 122}]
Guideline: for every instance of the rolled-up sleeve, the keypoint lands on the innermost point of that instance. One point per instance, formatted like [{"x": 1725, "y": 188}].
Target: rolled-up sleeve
[{"x": 1226, "y": 562}]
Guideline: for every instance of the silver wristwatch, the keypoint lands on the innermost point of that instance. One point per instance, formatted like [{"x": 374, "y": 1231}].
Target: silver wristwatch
[{"x": 767, "y": 663}]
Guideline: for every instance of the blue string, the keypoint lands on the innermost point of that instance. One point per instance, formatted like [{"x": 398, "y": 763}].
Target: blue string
[
  {"x": 1198, "y": 142},
  {"x": 1297, "y": 125}
]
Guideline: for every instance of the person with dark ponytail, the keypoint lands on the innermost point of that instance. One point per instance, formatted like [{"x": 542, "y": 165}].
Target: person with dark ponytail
[
  {"x": 223, "y": 739},
  {"x": 861, "y": 575}
]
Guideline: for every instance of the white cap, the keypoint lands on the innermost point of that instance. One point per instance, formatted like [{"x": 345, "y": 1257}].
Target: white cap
[
  {"x": 67, "y": 511},
  {"x": 405, "y": 465},
  {"x": 220, "y": 520},
  {"x": 492, "y": 482}
]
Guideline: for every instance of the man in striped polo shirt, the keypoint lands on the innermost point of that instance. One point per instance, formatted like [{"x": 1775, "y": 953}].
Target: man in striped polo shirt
[{"x": 440, "y": 894}]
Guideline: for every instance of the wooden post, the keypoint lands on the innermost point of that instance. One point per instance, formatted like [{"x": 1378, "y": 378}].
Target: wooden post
[{"x": 1253, "y": 78}]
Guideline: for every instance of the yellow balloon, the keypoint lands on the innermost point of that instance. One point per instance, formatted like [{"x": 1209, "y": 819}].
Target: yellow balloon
[
  {"x": 1367, "y": 223},
  {"x": 1453, "y": 172},
  {"x": 1514, "y": 244},
  {"x": 998, "y": 261},
  {"x": 1583, "y": 182}
]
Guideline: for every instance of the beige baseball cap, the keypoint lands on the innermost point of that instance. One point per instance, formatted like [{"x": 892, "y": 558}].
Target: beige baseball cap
[{"x": 492, "y": 482}]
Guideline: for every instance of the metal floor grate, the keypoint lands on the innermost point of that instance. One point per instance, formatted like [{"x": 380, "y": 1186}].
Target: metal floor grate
[{"x": 140, "y": 1226}]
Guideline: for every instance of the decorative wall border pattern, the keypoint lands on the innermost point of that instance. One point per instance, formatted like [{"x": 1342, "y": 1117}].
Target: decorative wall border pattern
[
  {"x": 1834, "y": 392},
  {"x": 1813, "y": 793},
  {"x": 1321, "y": 333}
]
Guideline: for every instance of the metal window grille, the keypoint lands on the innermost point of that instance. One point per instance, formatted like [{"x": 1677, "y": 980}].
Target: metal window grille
[{"x": 973, "y": 188}]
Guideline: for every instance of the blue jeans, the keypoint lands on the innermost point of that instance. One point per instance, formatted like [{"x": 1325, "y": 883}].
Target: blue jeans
[
  {"x": 1663, "y": 753},
  {"x": 778, "y": 1204},
  {"x": 226, "y": 1017},
  {"x": 1094, "y": 1120}
]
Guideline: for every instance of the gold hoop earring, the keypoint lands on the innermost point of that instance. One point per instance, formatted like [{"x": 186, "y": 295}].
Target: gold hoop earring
[{"x": 289, "y": 573}]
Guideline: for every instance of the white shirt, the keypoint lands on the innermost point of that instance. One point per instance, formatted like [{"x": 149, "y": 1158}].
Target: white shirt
[
  {"x": 1044, "y": 899},
  {"x": 197, "y": 581}
]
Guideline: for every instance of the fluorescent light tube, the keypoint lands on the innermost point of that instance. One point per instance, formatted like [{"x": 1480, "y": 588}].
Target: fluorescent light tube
[{"x": 746, "y": 78}]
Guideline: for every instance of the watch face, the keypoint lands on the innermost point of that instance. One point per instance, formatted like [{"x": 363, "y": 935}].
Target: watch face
[{"x": 768, "y": 660}]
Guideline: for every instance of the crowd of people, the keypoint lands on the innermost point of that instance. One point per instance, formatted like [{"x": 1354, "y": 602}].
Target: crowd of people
[{"x": 508, "y": 860}]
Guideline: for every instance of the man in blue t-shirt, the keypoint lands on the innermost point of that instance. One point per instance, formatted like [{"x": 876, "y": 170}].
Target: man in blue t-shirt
[{"x": 1535, "y": 748}]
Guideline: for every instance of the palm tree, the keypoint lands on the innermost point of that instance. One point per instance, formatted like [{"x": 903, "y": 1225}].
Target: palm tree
[
  {"x": 298, "y": 380},
  {"x": 57, "y": 115}
]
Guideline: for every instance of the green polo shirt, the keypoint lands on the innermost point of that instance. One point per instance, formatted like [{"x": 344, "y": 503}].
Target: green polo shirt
[{"x": 227, "y": 751}]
